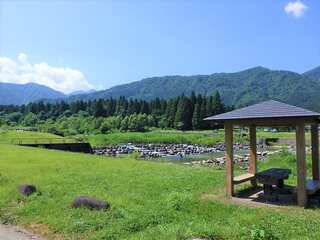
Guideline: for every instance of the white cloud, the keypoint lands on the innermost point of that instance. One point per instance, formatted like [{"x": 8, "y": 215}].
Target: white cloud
[
  {"x": 21, "y": 71},
  {"x": 22, "y": 57},
  {"x": 296, "y": 8}
]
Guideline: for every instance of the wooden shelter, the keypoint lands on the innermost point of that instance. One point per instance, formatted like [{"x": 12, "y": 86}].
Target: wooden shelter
[{"x": 268, "y": 114}]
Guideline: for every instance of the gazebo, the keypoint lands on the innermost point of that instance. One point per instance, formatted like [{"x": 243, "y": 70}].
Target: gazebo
[{"x": 268, "y": 114}]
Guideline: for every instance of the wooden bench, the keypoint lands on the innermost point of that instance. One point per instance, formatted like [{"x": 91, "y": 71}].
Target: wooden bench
[
  {"x": 312, "y": 186},
  {"x": 243, "y": 178}
]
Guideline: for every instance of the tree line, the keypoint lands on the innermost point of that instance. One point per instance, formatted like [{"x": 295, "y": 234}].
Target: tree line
[{"x": 183, "y": 113}]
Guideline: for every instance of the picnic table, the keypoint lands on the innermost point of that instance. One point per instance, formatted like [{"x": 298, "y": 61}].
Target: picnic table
[{"x": 271, "y": 177}]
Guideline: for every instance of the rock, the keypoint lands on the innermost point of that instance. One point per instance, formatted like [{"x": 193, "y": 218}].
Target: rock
[
  {"x": 220, "y": 160},
  {"x": 26, "y": 189},
  {"x": 90, "y": 203}
]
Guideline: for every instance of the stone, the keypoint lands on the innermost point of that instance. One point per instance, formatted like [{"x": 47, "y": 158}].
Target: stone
[
  {"x": 90, "y": 203},
  {"x": 27, "y": 189}
]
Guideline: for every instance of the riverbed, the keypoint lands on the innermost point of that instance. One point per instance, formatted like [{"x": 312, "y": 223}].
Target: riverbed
[{"x": 185, "y": 153}]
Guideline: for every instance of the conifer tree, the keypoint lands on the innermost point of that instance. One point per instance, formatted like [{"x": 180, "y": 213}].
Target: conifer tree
[
  {"x": 183, "y": 118},
  {"x": 196, "y": 117},
  {"x": 203, "y": 114},
  {"x": 217, "y": 105}
]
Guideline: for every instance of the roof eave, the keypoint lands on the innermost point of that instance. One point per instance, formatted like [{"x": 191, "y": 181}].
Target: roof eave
[{"x": 271, "y": 121}]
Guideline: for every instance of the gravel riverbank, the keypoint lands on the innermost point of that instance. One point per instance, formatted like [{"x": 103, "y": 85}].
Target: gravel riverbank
[{"x": 179, "y": 152}]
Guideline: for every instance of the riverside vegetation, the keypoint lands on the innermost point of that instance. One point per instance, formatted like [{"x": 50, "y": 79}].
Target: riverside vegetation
[{"x": 103, "y": 116}]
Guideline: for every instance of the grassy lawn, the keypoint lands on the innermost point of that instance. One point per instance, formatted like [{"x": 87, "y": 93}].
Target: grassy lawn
[
  {"x": 156, "y": 136},
  {"x": 287, "y": 135},
  {"x": 25, "y": 137},
  {"x": 149, "y": 200}
]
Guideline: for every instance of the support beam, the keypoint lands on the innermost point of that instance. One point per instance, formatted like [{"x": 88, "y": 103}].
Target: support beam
[
  {"x": 301, "y": 166},
  {"x": 315, "y": 151},
  {"x": 253, "y": 152},
  {"x": 228, "y": 128}
]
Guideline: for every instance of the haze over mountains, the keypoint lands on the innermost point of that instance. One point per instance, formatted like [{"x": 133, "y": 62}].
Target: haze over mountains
[
  {"x": 18, "y": 94},
  {"x": 238, "y": 89}
]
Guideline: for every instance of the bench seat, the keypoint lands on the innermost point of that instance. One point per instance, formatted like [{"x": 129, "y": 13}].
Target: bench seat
[{"x": 243, "y": 178}]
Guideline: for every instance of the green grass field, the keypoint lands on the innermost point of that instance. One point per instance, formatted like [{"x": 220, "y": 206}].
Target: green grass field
[
  {"x": 149, "y": 200},
  {"x": 173, "y": 136},
  {"x": 208, "y": 137},
  {"x": 287, "y": 135},
  {"x": 29, "y": 137},
  {"x": 159, "y": 136}
]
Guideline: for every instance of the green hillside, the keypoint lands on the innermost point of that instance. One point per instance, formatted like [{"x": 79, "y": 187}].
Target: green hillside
[
  {"x": 313, "y": 73},
  {"x": 238, "y": 89}
]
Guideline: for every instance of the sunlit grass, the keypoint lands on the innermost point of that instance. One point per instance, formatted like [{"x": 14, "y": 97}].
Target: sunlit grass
[
  {"x": 30, "y": 137},
  {"x": 162, "y": 136},
  {"x": 207, "y": 137},
  {"x": 149, "y": 200}
]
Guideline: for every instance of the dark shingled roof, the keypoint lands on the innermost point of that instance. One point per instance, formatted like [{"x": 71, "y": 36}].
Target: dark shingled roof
[{"x": 268, "y": 109}]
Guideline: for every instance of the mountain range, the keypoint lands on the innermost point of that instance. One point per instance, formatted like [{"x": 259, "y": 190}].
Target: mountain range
[
  {"x": 313, "y": 73},
  {"x": 18, "y": 94},
  {"x": 238, "y": 89}
]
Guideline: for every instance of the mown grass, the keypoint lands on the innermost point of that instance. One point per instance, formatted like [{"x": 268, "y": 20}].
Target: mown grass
[
  {"x": 149, "y": 200},
  {"x": 286, "y": 135},
  {"x": 30, "y": 137},
  {"x": 208, "y": 137}
]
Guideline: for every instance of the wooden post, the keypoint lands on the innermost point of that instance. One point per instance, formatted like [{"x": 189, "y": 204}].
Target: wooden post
[
  {"x": 253, "y": 152},
  {"x": 228, "y": 128},
  {"x": 315, "y": 151},
  {"x": 301, "y": 166}
]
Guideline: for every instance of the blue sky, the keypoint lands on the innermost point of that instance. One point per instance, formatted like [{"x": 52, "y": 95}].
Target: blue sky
[{"x": 78, "y": 44}]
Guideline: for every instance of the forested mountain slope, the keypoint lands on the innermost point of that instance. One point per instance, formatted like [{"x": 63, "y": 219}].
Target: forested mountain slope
[
  {"x": 313, "y": 73},
  {"x": 238, "y": 89}
]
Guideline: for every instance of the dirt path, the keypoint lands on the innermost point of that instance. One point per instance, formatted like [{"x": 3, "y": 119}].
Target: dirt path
[{"x": 8, "y": 232}]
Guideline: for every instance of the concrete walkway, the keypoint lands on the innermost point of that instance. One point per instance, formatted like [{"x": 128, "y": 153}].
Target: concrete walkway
[{"x": 8, "y": 232}]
